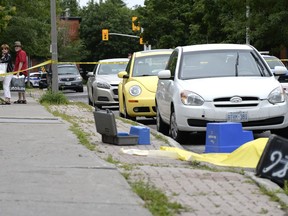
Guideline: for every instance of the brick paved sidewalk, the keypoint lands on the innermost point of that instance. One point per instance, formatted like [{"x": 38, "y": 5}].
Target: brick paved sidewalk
[{"x": 203, "y": 191}]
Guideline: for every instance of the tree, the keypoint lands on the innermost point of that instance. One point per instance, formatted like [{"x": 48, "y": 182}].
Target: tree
[
  {"x": 114, "y": 16},
  {"x": 171, "y": 23},
  {"x": 70, "y": 6},
  {"x": 32, "y": 29}
]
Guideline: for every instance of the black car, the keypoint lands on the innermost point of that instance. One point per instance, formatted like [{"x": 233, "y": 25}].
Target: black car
[{"x": 43, "y": 81}]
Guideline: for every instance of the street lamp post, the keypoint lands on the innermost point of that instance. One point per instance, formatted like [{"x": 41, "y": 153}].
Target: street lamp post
[{"x": 54, "y": 46}]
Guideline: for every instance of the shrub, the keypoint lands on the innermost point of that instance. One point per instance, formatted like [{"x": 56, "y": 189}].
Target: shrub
[{"x": 51, "y": 97}]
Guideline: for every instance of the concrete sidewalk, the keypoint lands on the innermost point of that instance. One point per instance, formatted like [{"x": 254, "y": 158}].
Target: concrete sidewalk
[{"x": 45, "y": 171}]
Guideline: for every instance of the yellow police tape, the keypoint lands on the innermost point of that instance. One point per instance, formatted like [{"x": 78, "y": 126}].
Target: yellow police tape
[{"x": 56, "y": 62}]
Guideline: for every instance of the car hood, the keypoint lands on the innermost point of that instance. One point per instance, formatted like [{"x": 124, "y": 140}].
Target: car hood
[
  {"x": 111, "y": 79},
  {"x": 210, "y": 88},
  {"x": 68, "y": 75},
  {"x": 149, "y": 82}
]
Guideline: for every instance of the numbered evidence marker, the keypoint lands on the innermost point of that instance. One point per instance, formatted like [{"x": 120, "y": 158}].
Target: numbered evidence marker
[{"x": 273, "y": 163}]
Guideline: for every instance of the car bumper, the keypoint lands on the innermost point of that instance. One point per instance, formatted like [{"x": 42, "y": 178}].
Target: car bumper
[
  {"x": 70, "y": 85},
  {"x": 141, "y": 106},
  {"x": 264, "y": 116},
  {"x": 106, "y": 97}
]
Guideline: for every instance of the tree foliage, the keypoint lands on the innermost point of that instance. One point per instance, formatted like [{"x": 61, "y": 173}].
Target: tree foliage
[
  {"x": 32, "y": 29},
  {"x": 166, "y": 24},
  {"x": 114, "y": 16},
  {"x": 183, "y": 22}
]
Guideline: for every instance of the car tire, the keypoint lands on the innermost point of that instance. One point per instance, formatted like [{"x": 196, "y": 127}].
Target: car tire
[
  {"x": 80, "y": 89},
  {"x": 162, "y": 127},
  {"x": 126, "y": 115},
  {"x": 98, "y": 106},
  {"x": 174, "y": 132},
  {"x": 90, "y": 102},
  {"x": 281, "y": 132}
]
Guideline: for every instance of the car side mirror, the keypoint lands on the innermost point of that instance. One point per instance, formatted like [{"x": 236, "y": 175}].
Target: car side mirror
[
  {"x": 123, "y": 74},
  {"x": 164, "y": 74},
  {"x": 90, "y": 74},
  {"x": 279, "y": 70}
]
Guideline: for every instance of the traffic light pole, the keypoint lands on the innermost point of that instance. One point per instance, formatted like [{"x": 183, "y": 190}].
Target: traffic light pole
[
  {"x": 133, "y": 36},
  {"x": 124, "y": 35}
]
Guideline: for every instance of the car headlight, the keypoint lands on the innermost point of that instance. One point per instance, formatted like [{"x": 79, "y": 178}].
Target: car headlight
[
  {"x": 135, "y": 90},
  {"x": 103, "y": 85},
  {"x": 191, "y": 98},
  {"x": 276, "y": 96},
  {"x": 79, "y": 78}
]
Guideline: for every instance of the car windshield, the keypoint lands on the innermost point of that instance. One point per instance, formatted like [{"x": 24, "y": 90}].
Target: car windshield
[
  {"x": 221, "y": 63},
  {"x": 69, "y": 70},
  {"x": 111, "y": 68},
  {"x": 272, "y": 61},
  {"x": 150, "y": 65}
]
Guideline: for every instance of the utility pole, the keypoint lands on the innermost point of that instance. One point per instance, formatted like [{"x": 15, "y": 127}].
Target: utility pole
[
  {"x": 54, "y": 46},
  {"x": 247, "y": 22}
]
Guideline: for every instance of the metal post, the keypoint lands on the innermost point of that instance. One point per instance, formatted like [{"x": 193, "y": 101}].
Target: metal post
[
  {"x": 247, "y": 22},
  {"x": 54, "y": 46}
]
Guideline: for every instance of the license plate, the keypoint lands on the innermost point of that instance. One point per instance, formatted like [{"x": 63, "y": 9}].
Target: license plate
[
  {"x": 67, "y": 83},
  {"x": 237, "y": 117}
]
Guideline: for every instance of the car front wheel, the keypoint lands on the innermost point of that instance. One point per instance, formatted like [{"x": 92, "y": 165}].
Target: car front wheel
[{"x": 174, "y": 132}]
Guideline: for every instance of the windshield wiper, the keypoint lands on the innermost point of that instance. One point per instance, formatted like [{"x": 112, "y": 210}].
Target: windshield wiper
[{"x": 236, "y": 64}]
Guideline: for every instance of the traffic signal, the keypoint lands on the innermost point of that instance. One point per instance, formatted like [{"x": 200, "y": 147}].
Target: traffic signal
[
  {"x": 135, "y": 27},
  {"x": 141, "y": 40},
  {"x": 105, "y": 34}
]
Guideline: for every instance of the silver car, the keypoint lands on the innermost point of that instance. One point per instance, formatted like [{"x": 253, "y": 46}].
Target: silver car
[{"x": 102, "y": 85}]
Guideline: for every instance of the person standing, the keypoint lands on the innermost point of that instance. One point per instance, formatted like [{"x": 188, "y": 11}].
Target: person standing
[
  {"x": 6, "y": 59},
  {"x": 20, "y": 64}
]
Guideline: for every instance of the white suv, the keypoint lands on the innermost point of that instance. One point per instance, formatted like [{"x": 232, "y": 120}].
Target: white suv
[{"x": 219, "y": 83}]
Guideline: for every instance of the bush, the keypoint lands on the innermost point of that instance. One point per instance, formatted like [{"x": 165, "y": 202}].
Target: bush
[{"x": 51, "y": 97}]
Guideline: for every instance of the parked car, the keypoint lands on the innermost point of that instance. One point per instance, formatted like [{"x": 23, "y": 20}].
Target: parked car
[
  {"x": 102, "y": 84},
  {"x": 69, "y": 77},
  {"x": 33, "y": 79},
  {"x": 138, "y": 86},
  {"x": 219, "y": 83},
  {"x": 274, "y": 62}
]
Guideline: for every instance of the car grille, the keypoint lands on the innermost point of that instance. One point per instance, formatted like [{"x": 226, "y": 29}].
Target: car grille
[
  {"x": 115, "y": 91},
  {"x": 269, "y": 121},
  {"x": 103, "y": 99},
  {"x": 141, "y": 109},
  {"x": 245, "y": 102},
  {"x": 67, "y": 79}
]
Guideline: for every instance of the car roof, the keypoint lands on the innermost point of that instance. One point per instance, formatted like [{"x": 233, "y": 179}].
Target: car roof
[
  {"x": 115, "y": 60},
  {"x": 204, "y": 47},
  {"x": 66, "y": 65},
  {"x": 153, "y": 52}
]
